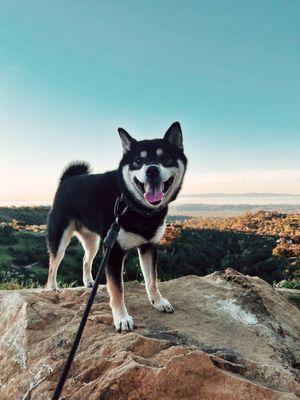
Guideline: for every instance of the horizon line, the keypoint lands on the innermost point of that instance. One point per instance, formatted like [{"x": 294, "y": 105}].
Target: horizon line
[{"x": 48, "y": 202}]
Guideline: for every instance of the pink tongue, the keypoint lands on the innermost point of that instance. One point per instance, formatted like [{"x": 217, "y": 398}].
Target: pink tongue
[{"x": 152, "y": 195}]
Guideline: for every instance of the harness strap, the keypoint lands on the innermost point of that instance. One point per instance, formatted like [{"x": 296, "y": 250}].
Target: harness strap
[{"x": 145, "y": 212}]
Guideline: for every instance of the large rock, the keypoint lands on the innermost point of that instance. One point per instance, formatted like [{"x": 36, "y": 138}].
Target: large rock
[{"x": 231, "y": 337}]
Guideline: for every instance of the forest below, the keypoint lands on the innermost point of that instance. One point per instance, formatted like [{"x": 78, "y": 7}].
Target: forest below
[{"x": 266, "y": 244}]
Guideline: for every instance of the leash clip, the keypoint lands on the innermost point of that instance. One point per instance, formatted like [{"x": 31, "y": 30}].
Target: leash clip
[{"x": 113, "y": 231}]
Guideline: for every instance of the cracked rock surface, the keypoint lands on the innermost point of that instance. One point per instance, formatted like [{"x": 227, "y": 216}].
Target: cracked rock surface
[{"x": 231, "y": 337}]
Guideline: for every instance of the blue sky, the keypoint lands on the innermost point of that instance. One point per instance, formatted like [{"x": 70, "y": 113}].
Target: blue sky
[{"x": 71, "y": 72}]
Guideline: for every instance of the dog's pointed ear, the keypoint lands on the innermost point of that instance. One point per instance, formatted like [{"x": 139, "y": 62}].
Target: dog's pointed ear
[
  {"x": 174, "y": 135},
  {"x": 127, "y": 140}
]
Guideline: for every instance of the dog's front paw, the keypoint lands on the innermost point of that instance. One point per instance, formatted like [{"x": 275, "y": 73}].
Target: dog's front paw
[
  {"x": 53, "y": 288},
  {"x": 124, "y": 324},
  {"x": 163, "y": 305},
  {"x": 89, "y": 284}
]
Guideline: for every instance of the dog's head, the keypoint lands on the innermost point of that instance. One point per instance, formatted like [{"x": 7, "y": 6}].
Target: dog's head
[{"x": 152, "y": 170}]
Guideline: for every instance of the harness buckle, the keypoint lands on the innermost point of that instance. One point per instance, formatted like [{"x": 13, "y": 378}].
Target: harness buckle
[{"x": 118, "y": 211}]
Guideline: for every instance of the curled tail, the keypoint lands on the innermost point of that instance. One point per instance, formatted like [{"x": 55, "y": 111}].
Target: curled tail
[{"x": 75, "y": 168}]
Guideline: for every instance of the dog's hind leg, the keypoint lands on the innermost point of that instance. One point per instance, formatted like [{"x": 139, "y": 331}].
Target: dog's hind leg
[
  {"x": 90, "y": 242},
  {"x": 57, "y": 252},
  {"x": 148, "y": 262},
  {"x": 115, "y": 287}
]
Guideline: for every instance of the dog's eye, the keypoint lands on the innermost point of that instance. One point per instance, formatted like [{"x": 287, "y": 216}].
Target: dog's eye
[
  {"x": 139, "y": 160},
  {"x": 166, "y": 159}
]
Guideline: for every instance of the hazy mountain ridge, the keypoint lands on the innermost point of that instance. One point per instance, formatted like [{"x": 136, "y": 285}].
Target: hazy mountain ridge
[
  {"x": 250, "y": 194},
  {"x": 210, "y": 210}
]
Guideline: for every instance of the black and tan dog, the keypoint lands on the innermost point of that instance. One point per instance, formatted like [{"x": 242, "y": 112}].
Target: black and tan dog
[{"x": 150, "y": 176}]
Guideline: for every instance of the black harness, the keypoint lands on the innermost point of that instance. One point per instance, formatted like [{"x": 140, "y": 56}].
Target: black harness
[{"x": 140, "y": 210}]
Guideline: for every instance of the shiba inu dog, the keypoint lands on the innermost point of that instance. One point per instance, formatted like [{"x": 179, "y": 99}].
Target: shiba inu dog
[{"x": 150, "y": 176}]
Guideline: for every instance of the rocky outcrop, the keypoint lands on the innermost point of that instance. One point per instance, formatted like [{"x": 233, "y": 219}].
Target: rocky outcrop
[{"x": 231, "y": 337}]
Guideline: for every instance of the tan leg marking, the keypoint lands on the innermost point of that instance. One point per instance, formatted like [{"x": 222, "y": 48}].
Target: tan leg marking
[
  {"x": 122, "y": 320},
  {"x": 90, "y": 242},
  {"x": 55, "y": 261},
  {"x": 150, "y": 277}
]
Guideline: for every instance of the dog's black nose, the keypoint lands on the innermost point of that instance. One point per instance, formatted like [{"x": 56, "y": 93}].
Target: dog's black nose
[{"x": 152, "y": 171}]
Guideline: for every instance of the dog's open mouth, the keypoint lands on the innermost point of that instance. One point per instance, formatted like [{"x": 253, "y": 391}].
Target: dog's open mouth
[{"x": 154, "y": 194}]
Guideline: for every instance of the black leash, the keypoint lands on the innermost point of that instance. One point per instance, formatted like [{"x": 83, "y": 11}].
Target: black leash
[{"x": 108, "y": 243}]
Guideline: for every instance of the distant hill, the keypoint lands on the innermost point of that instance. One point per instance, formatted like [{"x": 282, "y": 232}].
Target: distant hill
[
  {"x": 251, "y": 194},
  {"x": 265, "y": 244},
  {"x": 25, "y": 215},
  {"x": 199, "y": 209}
]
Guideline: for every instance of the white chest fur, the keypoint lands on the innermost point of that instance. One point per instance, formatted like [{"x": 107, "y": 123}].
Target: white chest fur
[{"x": 128, "y": 240}]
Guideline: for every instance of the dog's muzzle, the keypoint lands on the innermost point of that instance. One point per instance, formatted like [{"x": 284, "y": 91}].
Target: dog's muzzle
[{"x": 153, "y": 189}]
